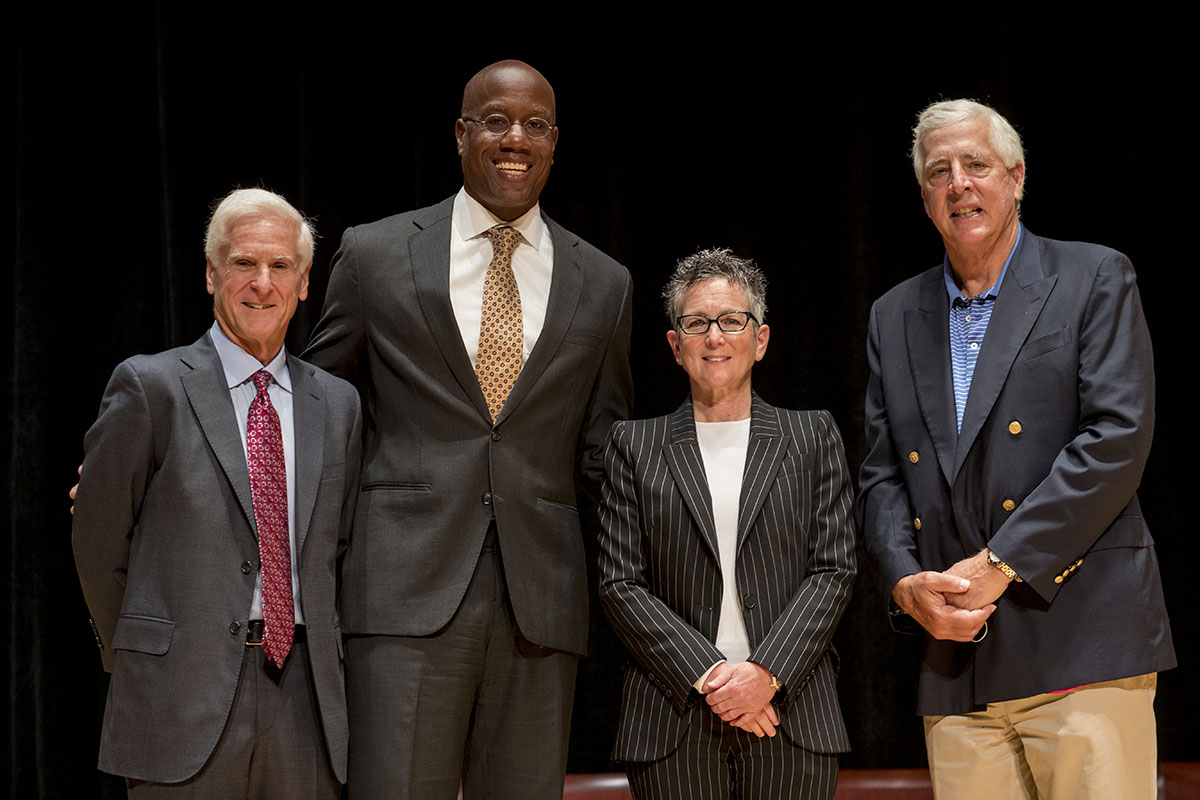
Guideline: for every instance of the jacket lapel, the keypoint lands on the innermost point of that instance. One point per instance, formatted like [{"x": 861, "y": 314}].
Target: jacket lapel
[
  {"x": 566, "y": 286},
  {"x": 1018, "y": 305},
  {"x": 927, "y": 331},
  {"x": 764, "y": 453},
  {"x": 209, "y": 396},
  {"x": 308, "y": 425},
  {"x": 687, "y": 468},
  {"x": 429, "y": 255}
]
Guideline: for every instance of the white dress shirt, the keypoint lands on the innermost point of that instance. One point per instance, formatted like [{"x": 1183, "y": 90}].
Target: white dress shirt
[
  {"x": 470, "y": 254},
  {"x": 239, "y": 368}
]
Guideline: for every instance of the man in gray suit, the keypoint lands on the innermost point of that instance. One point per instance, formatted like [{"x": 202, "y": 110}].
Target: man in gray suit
[
  {"x": 727, "y": 557},
  {"x": 215, "y": 488},
  {"x": 1009, "y": 415},
  {"x": 490, "y": 347}
]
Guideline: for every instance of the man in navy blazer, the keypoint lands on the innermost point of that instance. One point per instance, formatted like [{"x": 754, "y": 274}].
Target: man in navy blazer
[
  {"x": 167, "y": 532},
  {"x": 1009, "y": 414},
  {"x": 464, "y": 592}
]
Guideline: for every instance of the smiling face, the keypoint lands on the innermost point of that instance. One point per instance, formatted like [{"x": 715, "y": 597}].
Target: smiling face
[
  {"x": 968, "y": 192},
  {"x": 718, "y": 364},
  {"x": 506, "y": 173},
  {"x": 258, "y": 283}
]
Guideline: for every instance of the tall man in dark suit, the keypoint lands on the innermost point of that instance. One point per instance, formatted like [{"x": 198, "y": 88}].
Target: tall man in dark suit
[
  {"x": 1009, "y": 415},
  {"x": 727, "y": 556},
  {"x": 216, "y": 485},
  {"x": 490, "y": 347}
]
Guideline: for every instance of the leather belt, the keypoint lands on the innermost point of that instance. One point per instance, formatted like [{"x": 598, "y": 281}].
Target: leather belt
[{"x": 254, "y": 633}]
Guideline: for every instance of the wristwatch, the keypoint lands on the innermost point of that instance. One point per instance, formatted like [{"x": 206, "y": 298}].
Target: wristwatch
[{"x": 996, "y": 562}]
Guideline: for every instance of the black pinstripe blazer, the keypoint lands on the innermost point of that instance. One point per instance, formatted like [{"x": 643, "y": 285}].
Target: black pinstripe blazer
[{"x": 661, "y": 580}]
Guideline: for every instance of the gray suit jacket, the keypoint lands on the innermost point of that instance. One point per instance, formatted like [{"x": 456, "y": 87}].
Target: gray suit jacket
[
  {"x": 1045, "y": 471},
  {"x": 436, "y": 471},
  {"x": 165, "y": 545},
  {"x": 661, "y": 579}
]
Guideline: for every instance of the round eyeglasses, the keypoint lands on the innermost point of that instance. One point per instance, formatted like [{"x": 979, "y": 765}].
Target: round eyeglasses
[
  {"x": 729, "y": 322},
  {"x": 498, "y": 125}
]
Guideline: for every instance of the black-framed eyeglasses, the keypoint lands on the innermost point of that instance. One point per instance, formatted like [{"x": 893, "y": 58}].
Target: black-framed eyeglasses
[
  {"x": 498, "y": 125},
  {"x": 729, "y": 322}
]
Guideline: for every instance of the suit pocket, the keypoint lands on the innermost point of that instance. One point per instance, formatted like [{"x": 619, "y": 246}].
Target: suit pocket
[
  {"x": 143, "y": 634},
  {"x": 1044, "y": 344},
  {"x": 584, "y": 339}
]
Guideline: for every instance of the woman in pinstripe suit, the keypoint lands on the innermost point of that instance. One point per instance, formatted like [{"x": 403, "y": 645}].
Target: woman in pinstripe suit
[{"x": 727, "y": 557}]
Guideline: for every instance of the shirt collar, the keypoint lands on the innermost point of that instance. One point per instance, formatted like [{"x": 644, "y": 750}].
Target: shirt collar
[
  {"x": 991, "y": 292},
  {"x": 471, "y": 219},
  {"x": 240, "y": 366}
]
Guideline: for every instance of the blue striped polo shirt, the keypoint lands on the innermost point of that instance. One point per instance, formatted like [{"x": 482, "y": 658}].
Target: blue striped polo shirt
[{"x": 969, "y": 317}]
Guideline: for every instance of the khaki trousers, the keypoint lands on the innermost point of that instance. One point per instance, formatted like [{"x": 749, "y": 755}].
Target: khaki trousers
[{"x": 1092, "y": 743}]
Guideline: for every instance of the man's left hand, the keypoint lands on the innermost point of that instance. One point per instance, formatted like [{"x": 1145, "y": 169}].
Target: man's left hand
[{"x": 987, "y": 582}]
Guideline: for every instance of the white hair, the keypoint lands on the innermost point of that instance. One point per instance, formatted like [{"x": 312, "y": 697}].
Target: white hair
[
  {"x": 243, "y": 203},
  {"x": 1004, "y": 138}
]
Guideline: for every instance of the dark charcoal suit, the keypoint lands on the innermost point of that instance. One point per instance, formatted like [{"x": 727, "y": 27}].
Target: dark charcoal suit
[{"x": 438, "y": 474}]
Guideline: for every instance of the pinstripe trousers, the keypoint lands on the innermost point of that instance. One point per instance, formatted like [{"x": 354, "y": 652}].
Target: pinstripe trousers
[{"x": 716, "y": 761}]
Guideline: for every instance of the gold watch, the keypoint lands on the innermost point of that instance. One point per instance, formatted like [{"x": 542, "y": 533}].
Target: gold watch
[{"x": 996, "y": 562}]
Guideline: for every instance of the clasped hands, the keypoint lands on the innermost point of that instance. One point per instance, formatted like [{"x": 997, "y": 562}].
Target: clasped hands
[
  {"x": 741, "y": 695},
  {"x": 956, "y": 603}
]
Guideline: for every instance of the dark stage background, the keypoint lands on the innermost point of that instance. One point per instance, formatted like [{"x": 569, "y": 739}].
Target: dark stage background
[{"x": 787, "y": 144}]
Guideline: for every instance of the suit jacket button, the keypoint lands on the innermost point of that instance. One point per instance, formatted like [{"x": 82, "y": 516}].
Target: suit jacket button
[
  {"x": 913, "y": 457},
  {"x": 1058, "y": 578},
  {"x": 917, "y": 523},
  {"x": 487, "y": 498},
  {"x": 495, "y": 436},
  {"x": 1014, "y": 427},
  {"x": 749, "y": 601},
  {"x": 247, "y": 567},
  {"x": 1008, "y": 505},
  {"x": 234, "y": 627}
]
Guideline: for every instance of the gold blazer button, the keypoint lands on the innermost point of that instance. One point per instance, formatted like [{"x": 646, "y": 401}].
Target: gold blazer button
[
  {"x": 1014, "y": 427},
  {"x": 1008, "y": 505},
  {"x": 913, "y": 457},
  {"x": 917, "y": 523}
]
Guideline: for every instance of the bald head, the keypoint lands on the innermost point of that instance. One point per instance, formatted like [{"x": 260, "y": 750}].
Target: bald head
[
  {"x": 479, "y": 86},
  {"x": 505, "y": 172}
]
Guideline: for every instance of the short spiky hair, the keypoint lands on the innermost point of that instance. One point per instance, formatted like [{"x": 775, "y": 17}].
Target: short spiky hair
[{"x": 706, "y": 265}]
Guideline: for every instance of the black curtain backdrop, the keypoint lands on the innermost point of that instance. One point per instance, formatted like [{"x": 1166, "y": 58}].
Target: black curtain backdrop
[{"x": 785, "y": 141}]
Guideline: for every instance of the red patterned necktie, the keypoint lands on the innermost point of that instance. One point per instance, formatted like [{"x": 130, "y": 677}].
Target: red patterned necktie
[
  {"x": 268, "y": 491},
  {"x": 501, "y": 330}
]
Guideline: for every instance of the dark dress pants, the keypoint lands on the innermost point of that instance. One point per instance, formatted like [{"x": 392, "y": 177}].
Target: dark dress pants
[{"x": 475, "y": 702}]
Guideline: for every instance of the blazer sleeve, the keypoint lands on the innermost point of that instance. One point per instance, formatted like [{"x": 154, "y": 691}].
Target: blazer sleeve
[
  {"x": 883, "y": 508},
  {"x": 118, "y": 464},
  {"x": 800, "y": 636},
  {"x": 338, "y": 342},
  {"x": 1097, "y": 473},
  {"x": 611, "y": 399},
  {"x": 674, "y": 653}
]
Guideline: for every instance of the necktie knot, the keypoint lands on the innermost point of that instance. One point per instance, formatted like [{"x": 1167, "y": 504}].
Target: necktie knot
[
  {"x": 262, "y": 379},
  {"x": 504, "y": 239}
]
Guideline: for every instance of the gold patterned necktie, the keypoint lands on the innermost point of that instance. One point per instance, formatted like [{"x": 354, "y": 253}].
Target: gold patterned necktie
[
  {"x": 501, "y": 331},
  {"x": 268, "y": 493}
]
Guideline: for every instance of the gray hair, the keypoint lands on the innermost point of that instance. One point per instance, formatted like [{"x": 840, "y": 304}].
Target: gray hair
[
  {"x": 1004, "y": 137},
  {"x": 241, "y": 204},
  {"x": 707, "y": 265}
]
